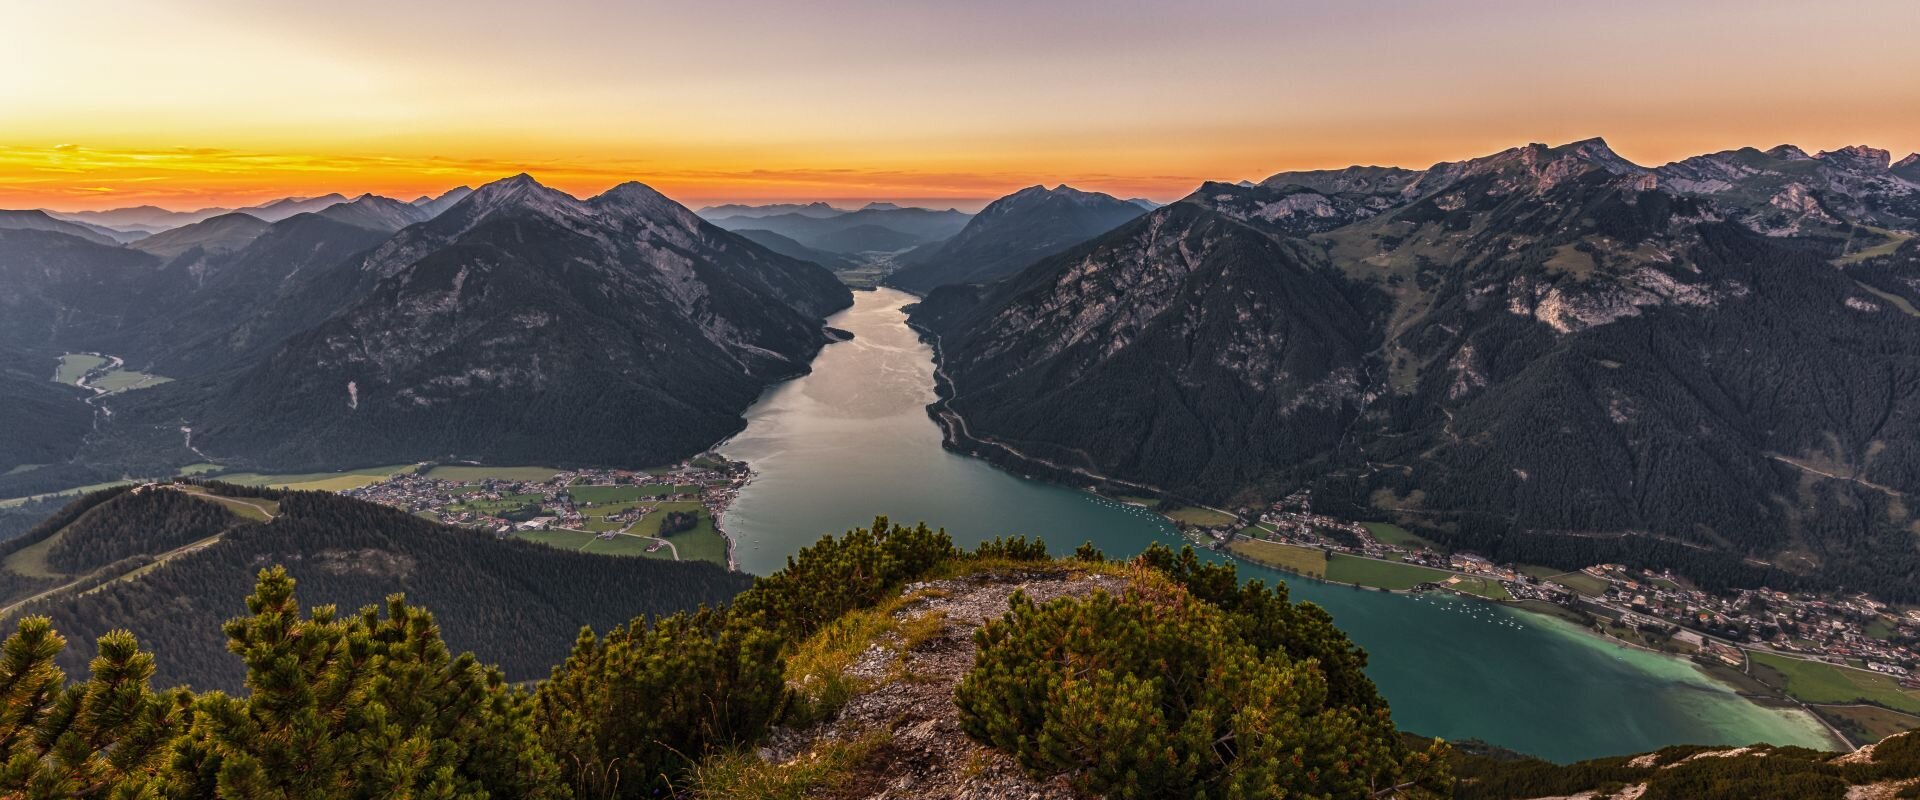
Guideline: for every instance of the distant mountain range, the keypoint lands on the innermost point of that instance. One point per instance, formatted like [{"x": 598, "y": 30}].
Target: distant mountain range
[
  {"x": 818, "y": 210},
  {"x": 879, "y": 227},
  {"x": 1550, "y": 354},
  {"x": 1011, "y": 233},
  {"x": 520, "y": 325},
  {"x": 142, "y": 220}
]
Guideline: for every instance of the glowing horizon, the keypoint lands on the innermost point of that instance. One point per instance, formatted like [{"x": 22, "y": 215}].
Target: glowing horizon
[{"x": 187, "y": 104}]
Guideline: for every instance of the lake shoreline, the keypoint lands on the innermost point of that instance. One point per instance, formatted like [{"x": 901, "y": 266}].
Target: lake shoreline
[{"x": 1838, "y": 739}]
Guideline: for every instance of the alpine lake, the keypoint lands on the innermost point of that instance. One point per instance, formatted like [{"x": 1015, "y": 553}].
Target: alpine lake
[{"x": 852, "y": 440}]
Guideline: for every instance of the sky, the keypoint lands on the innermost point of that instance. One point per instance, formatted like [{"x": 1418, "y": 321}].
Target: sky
[{"x": 191, "y": 103}]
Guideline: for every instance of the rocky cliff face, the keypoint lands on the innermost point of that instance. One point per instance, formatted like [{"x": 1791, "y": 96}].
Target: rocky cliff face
[{"x": 1519, "y": 351}]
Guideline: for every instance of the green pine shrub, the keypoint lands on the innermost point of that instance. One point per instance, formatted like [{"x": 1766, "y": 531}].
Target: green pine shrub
[{"x": 1157, "y": 693}]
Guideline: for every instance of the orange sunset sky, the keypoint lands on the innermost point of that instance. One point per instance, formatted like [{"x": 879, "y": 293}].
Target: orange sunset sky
[{"x": 191, "y": 103}]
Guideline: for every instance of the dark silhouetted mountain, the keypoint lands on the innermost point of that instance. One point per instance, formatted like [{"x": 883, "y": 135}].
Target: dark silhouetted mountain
[
  {"x": 866, "y": 239},
  {"x": 918, "y": 224},
  {"x": 40, "y": 221},
  {"x": 1549, "y": 354},
  {"x": 378, "y": 213},
  {"x": 792, "y": 249},
  {"x": 1013, "y": 232},
  {"x": 525, "y": 326},
  {"x": 816, "y": 210},
  {"x": 282, "y": 209},
  {"x": 222, "y": 234},
  {"x": 44, "y": 420},
  {"x": 144, "y": 219},
  {"x": 227, "y": 310},
  {"x": 60, "y": 291},
  {"x": 513, "y": 602},
  {"x": 435, "y": 206}
]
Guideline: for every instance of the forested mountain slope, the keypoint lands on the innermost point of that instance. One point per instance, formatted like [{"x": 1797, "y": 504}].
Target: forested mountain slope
[
  {"x": 518, "y": 324},
  {"x": 525, "y": 326},
  {"x": 517, "y": 604},
  {"x": 1546, "y": 354},
  {"x": 1011, "y": 233}
]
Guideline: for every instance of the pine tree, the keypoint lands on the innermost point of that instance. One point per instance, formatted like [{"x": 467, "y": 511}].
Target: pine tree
[
  {"x": 367, "y": 706},
  {"x": 106, "y": 737}
]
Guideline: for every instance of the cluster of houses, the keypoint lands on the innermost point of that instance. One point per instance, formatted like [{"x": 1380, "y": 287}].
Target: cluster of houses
[
  {"x": 503, "y": 506},
  {"x": 1857, "y": 628},
  {"x": 1833, "y": 629}
]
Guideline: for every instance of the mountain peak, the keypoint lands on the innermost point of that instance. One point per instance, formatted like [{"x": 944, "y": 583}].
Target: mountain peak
[
  {"x": 1858, "y": 157},
  {"x": 1789, "y": 153},
  {"x": 1908, "y": 167},
  {"x": 520, "y": 191},
  {"x": 879, "y": 206},
  {"x": 637, "y": 199}
]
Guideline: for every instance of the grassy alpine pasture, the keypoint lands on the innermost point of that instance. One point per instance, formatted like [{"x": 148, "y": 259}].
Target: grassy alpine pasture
[
  {"x": 1291, "y": 558},
  {"x": 628, "y": 545},
  {"x": 1201, "y": 517},
  {"x": 1342, "y": 568},
  {"x": 1389, "y": 533},
  {"x": 1867, "y": 723},
  {"x": 1576, "y": 580},
  {"x": 1817, "y": 682},
  {"x": 73, "y": 366},
  {"x": 317, "y": 481}
]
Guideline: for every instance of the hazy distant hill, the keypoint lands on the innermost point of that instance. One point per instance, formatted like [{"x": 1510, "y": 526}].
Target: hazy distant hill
[
  {"x": 1013, "y": 232},
  {"x": 379, "y": 213},
  {"x": 435, "y": 206},
  {"x": 222, "y": 234},
  {"x": 1511, "y": 352},
  {"x": 792, "y": 249},
  {"x": 40, "y": 221},
  {"x": 858, "y": 231},
  {"x": 817, "y": 210}
]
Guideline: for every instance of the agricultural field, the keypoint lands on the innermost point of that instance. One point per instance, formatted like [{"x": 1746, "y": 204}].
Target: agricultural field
[
  {"x": 75, "y": 365},
  {"x": 1576, "y": 580},
  {"x": 256, "y": 509},
  {"x": 1389, "y": 533},
  {"x": 1817, "y": 682},
  {"x": 121, "y": 380},
  {"x": 1201, "y": 517},
  {"x": 73, "y": 492},
  {"x": 630, "y": 545},
  {"x": 464, "y": 473},
  {"x": 702, "y": 543},
  {"x": 1291, "y": 558},
  {"x": 569, "y": 540},
  {"x": 1342, "y": 568},
  {"x": 315, "y": 481},
  {"x": 1867, "y": 723}
]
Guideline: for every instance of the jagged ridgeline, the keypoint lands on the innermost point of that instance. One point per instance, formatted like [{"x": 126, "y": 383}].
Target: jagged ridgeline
[
  {"x": 169, "y": 562},
  {"x": 1549, "y": 355}
]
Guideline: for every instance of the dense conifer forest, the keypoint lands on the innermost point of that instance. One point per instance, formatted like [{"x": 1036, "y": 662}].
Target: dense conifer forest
[{"x": 517, "y": 604}]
